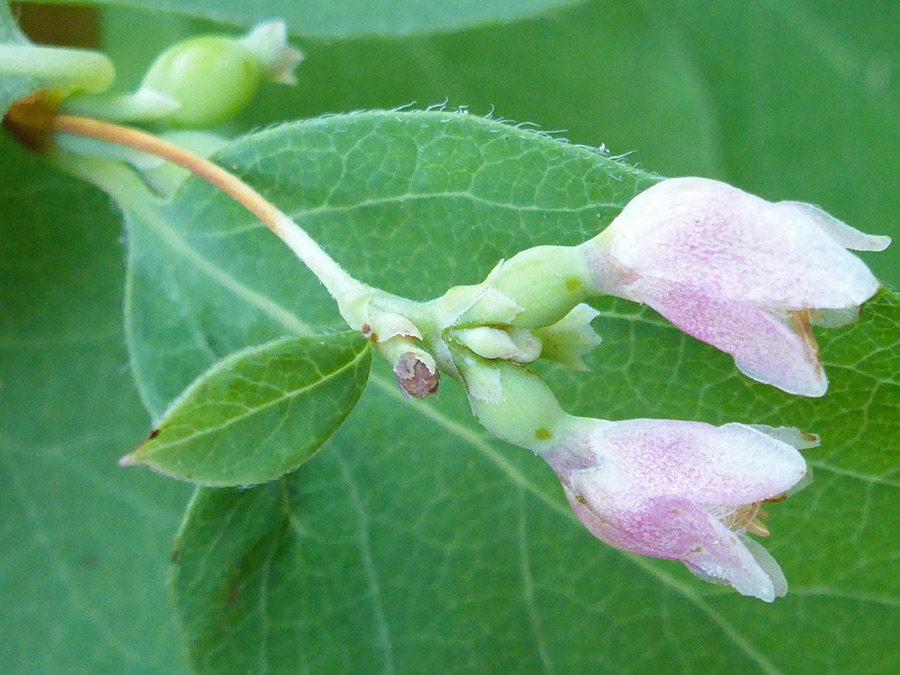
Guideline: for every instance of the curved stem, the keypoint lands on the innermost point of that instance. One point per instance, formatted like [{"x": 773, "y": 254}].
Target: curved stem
[{"x": 340, "y": 284}]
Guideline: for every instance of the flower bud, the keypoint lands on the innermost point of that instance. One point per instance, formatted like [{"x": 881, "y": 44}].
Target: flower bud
[
  {"x": 213, "y": 77},
  {"x": 683, "y": 490},
  {"x": 545, "y": 281},
  {"x": 513, "y": 344},
  {"x": 511, "y": 402}
]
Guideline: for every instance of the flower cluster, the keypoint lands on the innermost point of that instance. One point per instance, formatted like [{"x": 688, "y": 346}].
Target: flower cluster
[{"x": 742, "y": 274}]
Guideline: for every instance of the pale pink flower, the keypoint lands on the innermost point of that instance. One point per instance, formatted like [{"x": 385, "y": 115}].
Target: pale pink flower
[
  {"x": 740, "y": 273},
  {"x": 682, "y": 490}
]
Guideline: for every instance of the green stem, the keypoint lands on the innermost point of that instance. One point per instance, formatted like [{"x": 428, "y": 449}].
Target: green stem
[
  {"x": 77, "y": 68},
  {"x": 343, "y": 287}
]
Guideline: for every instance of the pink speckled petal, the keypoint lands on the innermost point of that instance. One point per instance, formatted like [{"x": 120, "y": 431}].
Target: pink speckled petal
[
  {"x": 763, "y": 347},
  {"x": 679, "y": 530},
  {"x": 774, "y": 255},
  {"x": 737, "y": 560},
  {"x": 732, "y": 464}
]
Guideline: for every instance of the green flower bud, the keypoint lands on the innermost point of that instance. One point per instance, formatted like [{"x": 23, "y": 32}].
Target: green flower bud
[
  {"x": 511, "y": 402},
  {"x": 213, "y": 77},
  {"x": 513, "y": 344},
  {"x": 546, "y": 282}
]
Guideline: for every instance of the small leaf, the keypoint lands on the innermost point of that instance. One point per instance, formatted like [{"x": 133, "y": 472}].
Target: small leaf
[{"x": 259, "y": 413}]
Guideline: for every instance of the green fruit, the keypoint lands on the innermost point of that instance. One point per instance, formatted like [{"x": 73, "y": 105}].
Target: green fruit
[{"x": 212, "y": 77}]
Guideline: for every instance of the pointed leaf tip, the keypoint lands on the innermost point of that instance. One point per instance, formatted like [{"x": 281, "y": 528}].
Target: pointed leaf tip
[
  {"x": 260, "y": 412},
  {"x": 130, "y": 459}
]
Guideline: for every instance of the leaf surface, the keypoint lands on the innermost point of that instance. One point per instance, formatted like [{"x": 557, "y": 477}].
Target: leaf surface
[
  {"x": 443, "y": 543},
  {"x": 350, "y": 18},
  {"x": 84, "y": 545},
  {"x": 259, "y": 413},
  {"x": 415, "y": 536}
]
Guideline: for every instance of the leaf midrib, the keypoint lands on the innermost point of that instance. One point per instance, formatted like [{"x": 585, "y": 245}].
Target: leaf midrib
[{"x": 253, "y": 411}]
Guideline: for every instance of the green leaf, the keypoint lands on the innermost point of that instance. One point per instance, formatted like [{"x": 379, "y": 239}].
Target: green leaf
[
  {"x": 349, "y": 18},
  {"x": 12, "y": 87},
  {"x": 259, "y": 413},
  {"x": 84, "y": 545},
  {"x": 411, "y": 526},
  {"x": 423, "y": 543}
]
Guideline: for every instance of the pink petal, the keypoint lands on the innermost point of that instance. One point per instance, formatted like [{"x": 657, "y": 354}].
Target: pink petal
[
  {"x": 742, "y": 563},
  {"x": 679, "y": 530},
  {"x": 763, "y": 347},
  {"x": 639, "y": 460},
  {"x": 774, "y": 255}
]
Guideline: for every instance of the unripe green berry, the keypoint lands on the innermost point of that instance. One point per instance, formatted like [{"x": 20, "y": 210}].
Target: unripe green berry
[{"x": 212, "y": 77}]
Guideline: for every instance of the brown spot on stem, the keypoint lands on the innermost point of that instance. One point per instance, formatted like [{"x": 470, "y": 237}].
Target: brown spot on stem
[
  {"x": 153, "y": 434},
  {"x": 542, "y": 434}
]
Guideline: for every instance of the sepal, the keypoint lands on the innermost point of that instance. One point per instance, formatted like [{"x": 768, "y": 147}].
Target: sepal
[{"x": 570, "y": 338}]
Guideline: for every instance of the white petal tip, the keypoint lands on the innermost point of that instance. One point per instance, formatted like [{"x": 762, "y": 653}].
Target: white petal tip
[
  {"x": 812, "y": 384},
  {"x": 274, "y": 30},
  {"x": 846, "y": 236},
  {"x": 759, "y": 576},
  {"x": 835, "y": 318},
  {"x": 128, "y": 460},
  {"x": 869, "y": 242},
  {"x": 283, "y": 71},
  {"x": 790, "y": 435},
  {"x": 879, "y": 243}
]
